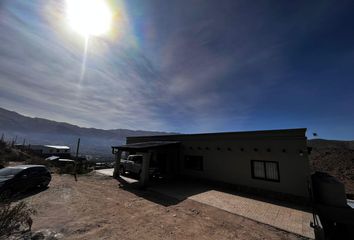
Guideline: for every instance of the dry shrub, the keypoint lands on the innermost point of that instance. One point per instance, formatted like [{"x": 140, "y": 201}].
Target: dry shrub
[
  {"x": 34, "y": 160},
  {"x": 14, "y": 217}
]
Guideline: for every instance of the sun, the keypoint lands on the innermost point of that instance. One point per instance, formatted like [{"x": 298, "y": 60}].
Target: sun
[{"x": 89, "y": 17}]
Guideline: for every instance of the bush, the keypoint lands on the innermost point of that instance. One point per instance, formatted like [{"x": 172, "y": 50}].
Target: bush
[{"x": 14, "y": 218}]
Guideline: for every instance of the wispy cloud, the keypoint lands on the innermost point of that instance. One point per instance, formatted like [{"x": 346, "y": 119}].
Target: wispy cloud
[{"x": 179, "y": 66}]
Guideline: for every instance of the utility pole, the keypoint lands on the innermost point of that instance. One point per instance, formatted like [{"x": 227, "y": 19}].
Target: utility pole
[{"x": 77, "y": 157}]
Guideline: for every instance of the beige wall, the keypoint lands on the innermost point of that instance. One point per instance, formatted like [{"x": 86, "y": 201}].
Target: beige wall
[{"x": 235, "y": 166}]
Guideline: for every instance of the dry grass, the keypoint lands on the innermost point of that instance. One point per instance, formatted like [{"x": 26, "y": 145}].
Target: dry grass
[{"x": 14, "y": 218}]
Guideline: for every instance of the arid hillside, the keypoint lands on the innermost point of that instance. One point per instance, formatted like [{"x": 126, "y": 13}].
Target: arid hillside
[{"x": 336, "y": 158}]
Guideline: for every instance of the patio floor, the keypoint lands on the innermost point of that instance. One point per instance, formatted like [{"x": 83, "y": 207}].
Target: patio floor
[{"x": 283, "y": 216}]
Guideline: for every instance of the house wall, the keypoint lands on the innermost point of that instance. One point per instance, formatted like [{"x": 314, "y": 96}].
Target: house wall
[{"x": 223, "y": 159}]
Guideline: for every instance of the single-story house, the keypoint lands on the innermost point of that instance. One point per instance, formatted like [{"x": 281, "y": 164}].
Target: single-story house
[
  {"x": 50, "y": 150},
  {"x": 273, "y": 160}
]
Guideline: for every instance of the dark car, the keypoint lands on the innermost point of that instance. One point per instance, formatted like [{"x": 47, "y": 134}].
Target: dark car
[{"x": 21, "y": 178}]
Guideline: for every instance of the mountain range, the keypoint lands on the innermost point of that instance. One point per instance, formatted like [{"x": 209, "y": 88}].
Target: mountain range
[{"x": 93, "y": 141}]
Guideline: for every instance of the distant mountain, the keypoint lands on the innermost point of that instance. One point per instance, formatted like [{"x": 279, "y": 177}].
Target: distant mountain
[
  {"x": 336, "y": 158},
  {"x": 96, "y": 142},
  {"x": 324, "y": 143}
]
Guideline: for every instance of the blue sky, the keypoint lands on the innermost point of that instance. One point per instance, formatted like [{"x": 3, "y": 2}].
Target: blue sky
[{"x": 185, "y": 66}]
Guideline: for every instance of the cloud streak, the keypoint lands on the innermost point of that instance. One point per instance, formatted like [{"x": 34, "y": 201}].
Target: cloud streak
[{"x": 187, "y": 66}]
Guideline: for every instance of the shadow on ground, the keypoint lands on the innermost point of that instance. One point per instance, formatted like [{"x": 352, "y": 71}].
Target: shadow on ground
[
  {"x": 22, "y": 195},
  {"x": 168, "y": 192}
]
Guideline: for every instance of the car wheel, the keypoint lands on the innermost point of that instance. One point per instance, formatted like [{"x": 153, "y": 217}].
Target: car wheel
[
  {"x": 7, "y": 194},
  {"x": 121, "y": 170},
  {"x": 43, "y": 185}
]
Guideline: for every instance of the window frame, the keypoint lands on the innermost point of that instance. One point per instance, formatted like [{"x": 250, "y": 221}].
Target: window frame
[{"x": 264, "y": 162}]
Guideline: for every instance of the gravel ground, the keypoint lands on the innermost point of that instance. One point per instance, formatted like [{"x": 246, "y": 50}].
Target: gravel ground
[{"x": 96, "y": 207}]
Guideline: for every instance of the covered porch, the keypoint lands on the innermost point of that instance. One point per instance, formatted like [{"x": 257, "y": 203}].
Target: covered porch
[{"x": 163, "y": 155}]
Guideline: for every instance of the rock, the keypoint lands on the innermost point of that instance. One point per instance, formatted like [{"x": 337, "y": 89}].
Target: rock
[
  {"x": 38, "y": 236},
  {"x": 46, "y": 234}
]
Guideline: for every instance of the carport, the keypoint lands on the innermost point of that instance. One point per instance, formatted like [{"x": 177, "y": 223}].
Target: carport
[{"x": 164, "y": 154}]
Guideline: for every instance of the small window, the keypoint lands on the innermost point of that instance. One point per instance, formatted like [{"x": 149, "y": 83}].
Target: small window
[
  {"x": 218, "y": 148},
  {"x": 229, "y": 149},
  {"x": 193, "y": 163},
  {"x": 265, "y": 170},
  {"x": 58, "y": 150}
]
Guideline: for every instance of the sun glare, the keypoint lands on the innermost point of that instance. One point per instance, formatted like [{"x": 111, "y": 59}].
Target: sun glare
[{"x": 89, "y": 17}]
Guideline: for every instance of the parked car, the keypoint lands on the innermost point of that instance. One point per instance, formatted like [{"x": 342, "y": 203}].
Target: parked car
[
  {"x": 133, "y": 164},
  {"x": 21, "y": 178}
]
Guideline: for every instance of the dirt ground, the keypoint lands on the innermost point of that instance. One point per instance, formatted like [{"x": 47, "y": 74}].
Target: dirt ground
[{"x": 96, "y": 207}]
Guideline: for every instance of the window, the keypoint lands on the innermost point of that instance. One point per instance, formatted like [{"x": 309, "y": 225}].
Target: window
[
  {"x": 266, "y": 170},
  {"x": 193, "y": 163}
]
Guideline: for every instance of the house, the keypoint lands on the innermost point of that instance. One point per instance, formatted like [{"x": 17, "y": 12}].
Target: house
[
  {"x": 50, "y": 150},
  {"x": 272, "y": 161}
]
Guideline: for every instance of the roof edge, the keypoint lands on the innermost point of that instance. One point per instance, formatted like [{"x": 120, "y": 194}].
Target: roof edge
[{"x": 290, "y": 131}]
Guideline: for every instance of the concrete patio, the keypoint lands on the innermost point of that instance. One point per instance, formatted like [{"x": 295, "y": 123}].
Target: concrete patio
[{"x": 283, "y": 216}]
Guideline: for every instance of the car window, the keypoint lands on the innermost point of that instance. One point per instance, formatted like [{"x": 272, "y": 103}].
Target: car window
[
  {"x": 41, "y": 170},
  {"x": 25, "y": 172},
  {"x": 9, "y": 172},
  {"x": 138, "y": 159}
]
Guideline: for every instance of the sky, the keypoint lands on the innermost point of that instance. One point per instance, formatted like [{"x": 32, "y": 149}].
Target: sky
[{"x": 185, "y": 66}]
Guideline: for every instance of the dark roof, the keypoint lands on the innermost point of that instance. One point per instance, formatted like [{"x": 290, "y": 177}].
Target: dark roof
[
  {"x": 278, "y": 133},
  {"x": 146, "y": 145}
]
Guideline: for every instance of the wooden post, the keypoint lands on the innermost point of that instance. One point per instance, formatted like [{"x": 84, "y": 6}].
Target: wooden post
[{"x": 76, "y": 157}]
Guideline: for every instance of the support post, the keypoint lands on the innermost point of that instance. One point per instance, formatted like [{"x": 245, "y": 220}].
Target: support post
[
  {"x": 118, "y": 156},
  {"x": 144, "y": 176}
]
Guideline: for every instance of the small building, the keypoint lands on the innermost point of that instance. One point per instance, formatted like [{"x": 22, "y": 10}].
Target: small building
[
  {"x": 50, "y": 150},
  {"x": 274, "y": 161}
]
